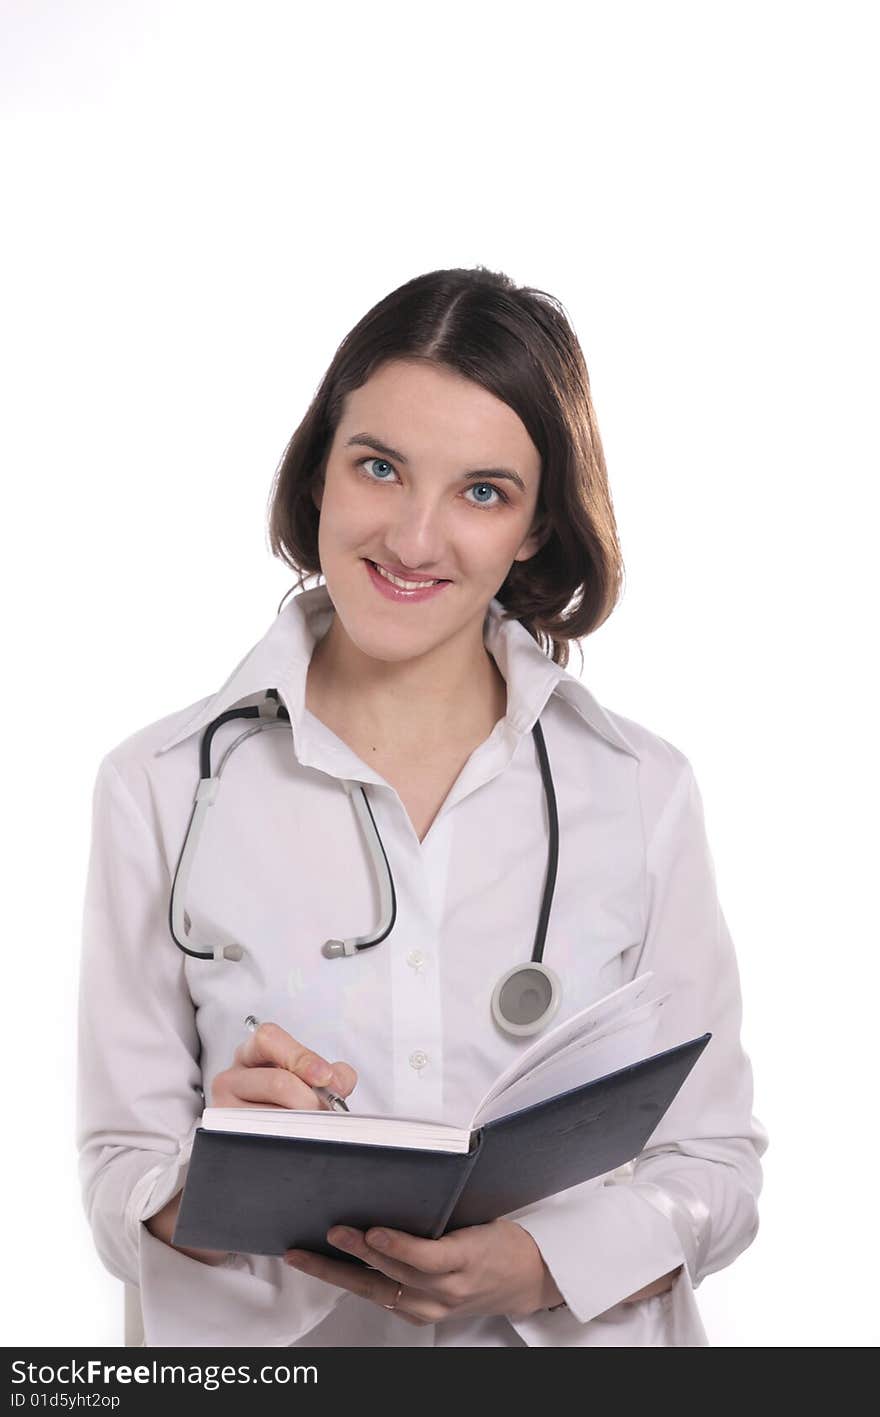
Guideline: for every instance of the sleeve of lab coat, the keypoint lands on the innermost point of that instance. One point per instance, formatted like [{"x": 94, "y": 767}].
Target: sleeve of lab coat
[
  {"x": 691, "y": 1197},
  {"x": 139, "y": 1100}
]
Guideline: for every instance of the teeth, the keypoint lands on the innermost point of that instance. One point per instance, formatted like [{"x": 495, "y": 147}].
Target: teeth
[{"x": 404, "y": 585}]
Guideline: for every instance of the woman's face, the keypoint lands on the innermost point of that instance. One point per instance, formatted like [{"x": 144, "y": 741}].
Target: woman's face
[{"x": 417, "y": 509}]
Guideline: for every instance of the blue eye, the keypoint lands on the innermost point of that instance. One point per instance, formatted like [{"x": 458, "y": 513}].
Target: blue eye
[
  {"x": 492, "y": 488},
  {"x": 362, "y": 462}
]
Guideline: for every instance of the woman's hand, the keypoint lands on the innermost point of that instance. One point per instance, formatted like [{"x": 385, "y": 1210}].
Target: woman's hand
[
  {"x": 480, "y": 1269},
  {"x": 271, "y": 1068}
]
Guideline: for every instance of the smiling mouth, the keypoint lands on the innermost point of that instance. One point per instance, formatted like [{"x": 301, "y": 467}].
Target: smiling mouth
[{"x": 401, "y": 582}]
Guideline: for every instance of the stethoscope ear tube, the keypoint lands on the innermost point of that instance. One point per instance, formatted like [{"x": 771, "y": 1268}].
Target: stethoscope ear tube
[
  {"x": 341, "y": 949},
  {"x": 206, "y": 796},
  {"x": 207, "y": 792}
]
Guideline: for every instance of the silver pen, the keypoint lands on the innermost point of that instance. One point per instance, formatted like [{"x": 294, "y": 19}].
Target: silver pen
[{"x": 332, "y": 1099}]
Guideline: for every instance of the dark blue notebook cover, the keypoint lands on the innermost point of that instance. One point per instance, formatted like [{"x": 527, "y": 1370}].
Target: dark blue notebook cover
[{"x": 264, "y": 1195}]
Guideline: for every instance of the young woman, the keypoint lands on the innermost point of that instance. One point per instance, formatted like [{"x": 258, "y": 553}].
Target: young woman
[{"x": 448, "y": 485}]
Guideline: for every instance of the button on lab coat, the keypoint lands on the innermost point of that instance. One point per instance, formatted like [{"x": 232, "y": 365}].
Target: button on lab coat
[{"x": 282, "y": 866}]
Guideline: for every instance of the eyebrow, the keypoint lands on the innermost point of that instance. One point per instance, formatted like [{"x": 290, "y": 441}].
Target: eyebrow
[{"x": 367, "y": 440}]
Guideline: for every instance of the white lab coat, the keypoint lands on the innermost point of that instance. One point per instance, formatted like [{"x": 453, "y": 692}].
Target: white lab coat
[{"x": 282, "y": 866}]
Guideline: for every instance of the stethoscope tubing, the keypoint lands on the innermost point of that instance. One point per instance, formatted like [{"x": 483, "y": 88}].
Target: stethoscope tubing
[{"x": 272, "y": 713}]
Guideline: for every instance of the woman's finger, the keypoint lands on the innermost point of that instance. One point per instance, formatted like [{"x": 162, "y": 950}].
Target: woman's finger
[
  {"x": 269, "y": 1043},
  {"x": 262, "y": 1087},
  {"x": 344, "y": 1078}
]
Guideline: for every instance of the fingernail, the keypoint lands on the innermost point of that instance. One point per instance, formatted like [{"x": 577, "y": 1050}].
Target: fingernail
[{"x": 378, "y": 1239}]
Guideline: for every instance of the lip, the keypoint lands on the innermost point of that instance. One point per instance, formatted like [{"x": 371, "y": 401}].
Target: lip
[{"x": 393, "y": 592}]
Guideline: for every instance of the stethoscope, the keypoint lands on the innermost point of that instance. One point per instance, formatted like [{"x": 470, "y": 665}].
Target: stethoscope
[{"x": 524, "y": 1000}]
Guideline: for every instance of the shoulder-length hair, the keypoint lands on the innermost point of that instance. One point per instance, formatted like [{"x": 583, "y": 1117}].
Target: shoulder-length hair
[{"x": 516, "y": 342}]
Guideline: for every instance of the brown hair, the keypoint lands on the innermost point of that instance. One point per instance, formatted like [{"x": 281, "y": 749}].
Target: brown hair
[{"x": 516, "y": 342}]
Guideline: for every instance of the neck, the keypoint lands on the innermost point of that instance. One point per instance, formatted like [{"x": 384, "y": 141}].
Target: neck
[{"x": 455, "y": 690}]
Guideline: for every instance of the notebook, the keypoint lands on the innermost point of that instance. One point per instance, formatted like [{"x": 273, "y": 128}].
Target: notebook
[{"x": 578, "y": 1102}]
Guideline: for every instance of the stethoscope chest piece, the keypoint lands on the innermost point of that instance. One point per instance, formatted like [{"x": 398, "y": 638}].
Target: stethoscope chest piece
[{"x": 526, "y": 998}]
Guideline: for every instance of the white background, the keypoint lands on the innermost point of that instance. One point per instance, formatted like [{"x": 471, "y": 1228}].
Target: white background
[{"x": 200, "y": 200}]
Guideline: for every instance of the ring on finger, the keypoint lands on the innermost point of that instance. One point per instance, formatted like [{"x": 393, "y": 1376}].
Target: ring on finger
[{"x": 396, "y": 1300}]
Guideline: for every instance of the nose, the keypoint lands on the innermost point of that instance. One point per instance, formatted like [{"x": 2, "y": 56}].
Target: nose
[{"x": 416, "y": 539}]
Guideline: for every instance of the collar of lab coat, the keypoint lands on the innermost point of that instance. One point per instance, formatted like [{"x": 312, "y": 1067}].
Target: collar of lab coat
[{"x": 281, "y": 658}]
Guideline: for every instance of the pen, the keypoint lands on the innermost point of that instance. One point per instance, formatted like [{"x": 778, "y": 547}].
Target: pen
[{"x": 332, "y": 1099}]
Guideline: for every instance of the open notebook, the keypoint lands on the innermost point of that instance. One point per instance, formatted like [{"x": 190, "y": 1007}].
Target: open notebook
[{"x": 579, "y": 1102}]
